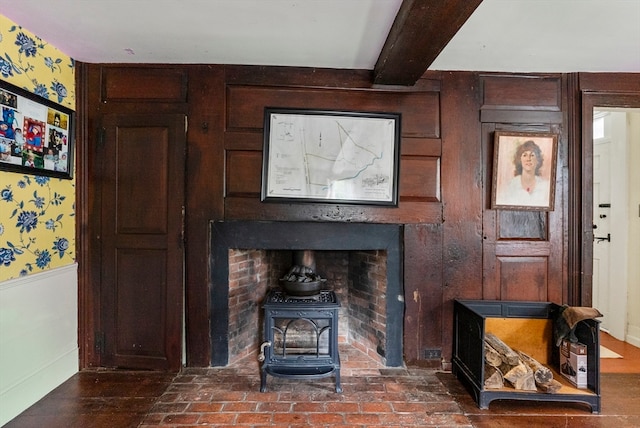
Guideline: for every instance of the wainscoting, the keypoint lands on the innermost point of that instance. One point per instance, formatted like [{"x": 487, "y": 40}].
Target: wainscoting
[{"x": 38, "y": 337}]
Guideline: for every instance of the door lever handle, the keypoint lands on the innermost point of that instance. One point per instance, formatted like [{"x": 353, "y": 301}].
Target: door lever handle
[{"x": 600, "y": 239}]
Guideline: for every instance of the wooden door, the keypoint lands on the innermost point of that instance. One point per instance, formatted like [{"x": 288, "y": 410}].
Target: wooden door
[{"x": 142, "y": 183}]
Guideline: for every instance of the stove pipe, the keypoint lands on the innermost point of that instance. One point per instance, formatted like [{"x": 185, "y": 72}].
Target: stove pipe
[{"x": 305, "y": 258}]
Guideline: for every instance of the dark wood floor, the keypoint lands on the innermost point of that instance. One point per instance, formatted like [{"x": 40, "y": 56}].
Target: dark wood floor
[{"x": 373, "y": 397}]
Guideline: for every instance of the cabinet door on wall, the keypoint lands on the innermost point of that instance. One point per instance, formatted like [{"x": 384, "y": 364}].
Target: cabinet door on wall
[{"x": 142, "y": 192}]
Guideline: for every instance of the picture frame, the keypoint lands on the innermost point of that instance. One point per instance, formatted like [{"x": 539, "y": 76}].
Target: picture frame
[
  {"x": 524, "y": 171},
  {"x": 36, "y": 134},
  {"x": 326, "y": 156}
]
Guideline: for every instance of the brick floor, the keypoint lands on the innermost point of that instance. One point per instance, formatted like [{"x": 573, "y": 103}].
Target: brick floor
[{"x": 373, "y": 396}]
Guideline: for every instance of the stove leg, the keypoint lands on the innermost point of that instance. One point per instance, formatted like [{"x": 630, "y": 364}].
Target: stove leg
[{"x": 263, "y": 380}]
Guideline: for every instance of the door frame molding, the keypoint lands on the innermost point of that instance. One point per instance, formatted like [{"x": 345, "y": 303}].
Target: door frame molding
[
  {"x": 583, "y": 167},
  {"x": 88, "y": 311}
]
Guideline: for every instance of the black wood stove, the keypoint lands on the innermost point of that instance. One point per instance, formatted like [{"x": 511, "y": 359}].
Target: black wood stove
[{"x": 300, "y": 337}]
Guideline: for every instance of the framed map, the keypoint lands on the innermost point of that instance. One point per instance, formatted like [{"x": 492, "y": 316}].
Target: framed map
[{"x": 330, "y": 156}]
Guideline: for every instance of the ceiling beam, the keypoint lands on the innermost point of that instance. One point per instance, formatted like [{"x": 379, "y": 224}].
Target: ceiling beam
[{"x": 421, "y": 30}]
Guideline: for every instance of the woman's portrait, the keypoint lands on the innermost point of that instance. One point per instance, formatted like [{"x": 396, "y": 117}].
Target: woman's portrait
[{"x": 524, "y": 171}]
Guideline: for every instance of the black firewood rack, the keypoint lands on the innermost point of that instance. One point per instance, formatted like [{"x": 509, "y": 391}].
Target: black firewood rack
[{"x": 470, "y": 321}]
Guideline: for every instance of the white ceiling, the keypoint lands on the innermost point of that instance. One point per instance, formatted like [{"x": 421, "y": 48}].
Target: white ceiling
[{"x": 501, "y": 35}]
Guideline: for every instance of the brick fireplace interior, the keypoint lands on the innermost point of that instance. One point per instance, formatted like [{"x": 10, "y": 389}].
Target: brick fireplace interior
[
  {"x": 357, "y": 277},
  {"x": 361, "y": 263}
]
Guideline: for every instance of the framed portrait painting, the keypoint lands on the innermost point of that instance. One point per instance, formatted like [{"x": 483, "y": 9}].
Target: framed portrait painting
[
  {"x": 524, "y": 171},
  {"x": 330, "y": 156},
  {"x": 36, "y": 134}
]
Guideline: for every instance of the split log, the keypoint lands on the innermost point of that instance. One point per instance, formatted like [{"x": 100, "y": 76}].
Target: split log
[
  {"x": 508, "y": 355},
  {"x": 491, "y": 356},
  {"x": 520, "y": 376},
  {"x": 492, "y": 377},
  {"x": 551, "y": 387},
  {"x": 541, "y": 374}
]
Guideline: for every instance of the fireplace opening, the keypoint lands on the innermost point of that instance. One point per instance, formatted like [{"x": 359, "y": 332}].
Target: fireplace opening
[
  {"x": 361, "y": 262},
  {"x": 358, "y": 279}
]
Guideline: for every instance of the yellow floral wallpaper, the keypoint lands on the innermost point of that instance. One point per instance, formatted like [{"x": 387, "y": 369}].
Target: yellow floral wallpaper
[
  {"x": 37, "y": 214},
  {"x": 29, "y": 62}
]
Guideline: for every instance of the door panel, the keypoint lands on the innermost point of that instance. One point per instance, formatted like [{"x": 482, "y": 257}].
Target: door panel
[
  {"x": 521, "y": 250},
  {"x": 523, "y": 278},
  {"x": 142, "y": 201},
  {"x": 142, "y": 265},
  {"x": 140, "y": 343}
]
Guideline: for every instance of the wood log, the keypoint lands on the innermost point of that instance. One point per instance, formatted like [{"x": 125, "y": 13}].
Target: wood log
[
  {"x": 492, "y": 377},
  {"x": 541, "y": 374},
  {"x": 491, "y": 356},
  {"x": 550, "y": 387},
  {"x": 520, "y": 376},
  {"x": 509, "y": 356}
]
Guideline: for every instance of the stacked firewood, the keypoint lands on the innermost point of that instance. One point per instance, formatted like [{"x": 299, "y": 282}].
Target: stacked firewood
[{"x": 519, "y": 369}]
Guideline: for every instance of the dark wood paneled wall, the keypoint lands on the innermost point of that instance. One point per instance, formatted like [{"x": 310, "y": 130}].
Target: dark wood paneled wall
[{"x": 455, "y": 245}]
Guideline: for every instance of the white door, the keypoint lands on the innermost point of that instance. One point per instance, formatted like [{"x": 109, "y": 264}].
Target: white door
[
  {"x": 601, "y": 221},
  {"x": 610, "y": 215}
]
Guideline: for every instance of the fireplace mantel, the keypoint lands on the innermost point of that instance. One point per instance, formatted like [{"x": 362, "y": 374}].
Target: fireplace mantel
[{"x": 275, "y": 235}]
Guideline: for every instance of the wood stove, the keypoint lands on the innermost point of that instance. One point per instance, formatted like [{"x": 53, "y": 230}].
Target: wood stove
[{"x": 300, "y": 337}]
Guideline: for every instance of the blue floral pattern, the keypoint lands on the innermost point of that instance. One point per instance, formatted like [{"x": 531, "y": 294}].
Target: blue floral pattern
[
  {"x": 31, "y": 249},
  {"x": 26, "y": 56},
  {"x": 37, "y": 222}
]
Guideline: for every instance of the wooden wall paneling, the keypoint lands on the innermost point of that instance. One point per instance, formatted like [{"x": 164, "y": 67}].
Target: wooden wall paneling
[
  {"x": 421, "y": 146},
  {"x": 519, "y": 241},
  {"x": 248, "y": 95},
  {"x": 524, "y": 99},
  {"x": 160, "y": 84},
  {"x": 557, "y": 219},
  {"x": 420, "y": 111},
  {"x": 408, "y": 212},
  {"x": 243, "y": 173},
  {"x": 520, "y": 92},
  {"x": 610, "y": 83},
  {"x": 574, "y": 195},
  {"x": 205, "y": 201},
  {"x": 521, "y": 116},
  {"x": 243, "y": 140},
  {"x": 490, "y": 272},
  {"x": 420, "y": 179},
  {"x": 462, "y": 187},
  {"x": 523, "y": 278},
  {"x": 419, "y": 176},
  {"x": 423, "y": 292},
  {"x": 87, "y": 204},
  {"x": 297, "y": 76},
  {"x": 447, "y": 118}
]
